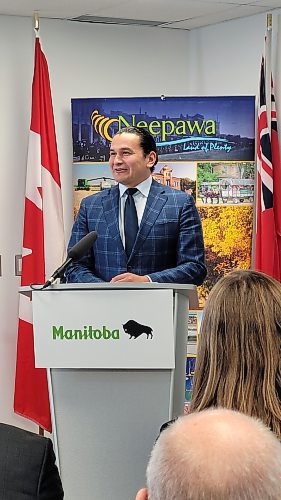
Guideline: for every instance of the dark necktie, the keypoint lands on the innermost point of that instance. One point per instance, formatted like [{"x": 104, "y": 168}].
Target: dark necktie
[{"x": 131, "y": 226}]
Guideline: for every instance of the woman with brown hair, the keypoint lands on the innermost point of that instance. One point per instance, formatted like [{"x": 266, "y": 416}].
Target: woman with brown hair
[{"x": 239, "y": 353}]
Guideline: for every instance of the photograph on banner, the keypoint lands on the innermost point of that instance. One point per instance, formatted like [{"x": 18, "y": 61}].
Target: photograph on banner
[
  {"x": 194, "y": 324},
  {"x": 228, "y": 242},
  {"x": 192, "y": 331},
  {"x": 225, "y": 183},
  {"x": 90, "y": 178},
  {"x": 178, "y": 175},
  {"x": 190, "y": 368}
]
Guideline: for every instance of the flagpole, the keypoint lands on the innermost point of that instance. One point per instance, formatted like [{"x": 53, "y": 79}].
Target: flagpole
[
  {"x": 36, "y": 23},
  {"x": 36, "y": 27},
  {"x": 268, "y": 68}
]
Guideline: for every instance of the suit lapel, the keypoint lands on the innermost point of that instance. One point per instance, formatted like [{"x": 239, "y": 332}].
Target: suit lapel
[
  {"x": 155, "y": 202},
  {"x": 111, "y": 213}
]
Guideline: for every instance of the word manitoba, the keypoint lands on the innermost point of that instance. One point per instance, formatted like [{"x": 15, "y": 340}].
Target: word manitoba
[{"x": 88, "y": 333}]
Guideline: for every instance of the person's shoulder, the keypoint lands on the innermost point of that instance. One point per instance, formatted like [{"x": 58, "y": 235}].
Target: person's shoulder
[
  {"x": 19, "y": 435},
  {"x": 175, "y": 193},
  {"x": 98, "y": 197}
]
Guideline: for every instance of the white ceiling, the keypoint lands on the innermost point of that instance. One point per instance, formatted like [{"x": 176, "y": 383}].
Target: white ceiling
[{"x": 176, "y": 14}]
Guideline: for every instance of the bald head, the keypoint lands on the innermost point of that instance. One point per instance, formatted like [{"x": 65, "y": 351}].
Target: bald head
[{"x": 215, "y": 454}]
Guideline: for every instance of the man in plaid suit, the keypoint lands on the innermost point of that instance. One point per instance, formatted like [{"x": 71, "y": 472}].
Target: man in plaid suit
[{"x": 169, "y": 244}]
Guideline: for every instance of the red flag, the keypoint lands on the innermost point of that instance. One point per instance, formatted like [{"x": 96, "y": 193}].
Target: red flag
[
  {"x": 43, "y": 240},
  {"x": 268, "y": 208},
  {"x": 276, "y": 177}
]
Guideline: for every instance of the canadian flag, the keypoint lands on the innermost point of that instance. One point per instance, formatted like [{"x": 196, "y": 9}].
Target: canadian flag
[{"x": 43, "y": 240}]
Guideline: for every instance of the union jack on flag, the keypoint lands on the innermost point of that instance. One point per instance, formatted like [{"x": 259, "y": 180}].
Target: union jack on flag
[{"x": 268, "y": 200}]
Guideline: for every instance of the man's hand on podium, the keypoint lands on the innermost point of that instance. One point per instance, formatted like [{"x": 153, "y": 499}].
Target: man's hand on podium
[{"x": 130, "y": 277}]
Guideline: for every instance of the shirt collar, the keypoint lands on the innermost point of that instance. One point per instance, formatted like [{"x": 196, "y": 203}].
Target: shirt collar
[{"x": 143, "y": 187}]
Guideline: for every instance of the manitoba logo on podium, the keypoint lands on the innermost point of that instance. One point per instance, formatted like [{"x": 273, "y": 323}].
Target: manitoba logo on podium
[
  {"x": 107, "y": 329},
  {"x": 131, "y": 327}
]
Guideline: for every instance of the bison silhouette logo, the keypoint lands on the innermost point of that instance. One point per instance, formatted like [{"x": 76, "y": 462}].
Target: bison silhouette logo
[{"x": 135, "y": 329}]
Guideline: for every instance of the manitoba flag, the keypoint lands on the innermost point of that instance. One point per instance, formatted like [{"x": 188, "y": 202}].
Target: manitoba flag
[
  {"x": 43, "y": 240},
  {"x": 268, "y": 206}
]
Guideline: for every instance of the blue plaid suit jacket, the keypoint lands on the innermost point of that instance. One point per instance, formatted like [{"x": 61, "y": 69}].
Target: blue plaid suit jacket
[{"x": 169, "y": 246}]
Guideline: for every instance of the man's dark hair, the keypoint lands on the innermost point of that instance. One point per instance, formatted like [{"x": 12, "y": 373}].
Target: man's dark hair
[{"x": 147, "y": 142}]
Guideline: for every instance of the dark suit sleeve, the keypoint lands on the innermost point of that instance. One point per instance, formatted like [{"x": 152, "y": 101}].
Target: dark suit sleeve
[
  {"x": 49, "y": 483},
  {"x": 190, "y": 256},
  {"x": 81, "y": 271}
]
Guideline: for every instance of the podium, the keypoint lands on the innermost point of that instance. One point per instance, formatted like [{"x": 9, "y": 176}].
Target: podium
[{"x": 115, "y": 356}]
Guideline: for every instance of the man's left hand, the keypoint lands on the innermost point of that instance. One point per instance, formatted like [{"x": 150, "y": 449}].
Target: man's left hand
[{"x": 129, "y": 277}]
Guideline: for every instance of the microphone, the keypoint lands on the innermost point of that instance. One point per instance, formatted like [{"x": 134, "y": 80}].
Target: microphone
[{"x": 75, "y": 253}]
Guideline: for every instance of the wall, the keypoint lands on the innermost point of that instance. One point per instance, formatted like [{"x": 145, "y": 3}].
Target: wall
[
  {"x": 94, "y": 60},
  {"x": 225, "y": 58}
]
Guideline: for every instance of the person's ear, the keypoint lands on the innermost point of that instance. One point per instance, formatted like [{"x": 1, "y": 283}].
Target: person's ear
[
  {"x": 142, "y": 494},
  {"x": 151, "y": 157}
]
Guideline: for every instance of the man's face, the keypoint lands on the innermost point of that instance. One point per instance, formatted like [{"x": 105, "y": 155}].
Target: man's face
[{"x": 128, "y": 163}]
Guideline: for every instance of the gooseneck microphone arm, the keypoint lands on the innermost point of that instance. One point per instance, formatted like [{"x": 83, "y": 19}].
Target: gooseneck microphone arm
[
  {"x": 75, "y": 253},
  {"x": 58, "y": 273}
]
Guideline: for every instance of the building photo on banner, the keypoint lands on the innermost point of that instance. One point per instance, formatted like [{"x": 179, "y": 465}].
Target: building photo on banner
[{"x": 206, "y": 148}]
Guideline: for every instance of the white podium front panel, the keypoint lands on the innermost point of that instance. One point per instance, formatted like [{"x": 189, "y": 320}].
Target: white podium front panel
[
  {"x": 95, "y": 329},
  {"x": 107, "y": 422}
]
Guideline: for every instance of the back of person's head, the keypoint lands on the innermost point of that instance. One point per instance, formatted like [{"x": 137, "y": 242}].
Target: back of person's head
[
  {"x": 238, "y": 362},
  {"x": 216, "y": 454},
  {"x": 147, "y": 142}
]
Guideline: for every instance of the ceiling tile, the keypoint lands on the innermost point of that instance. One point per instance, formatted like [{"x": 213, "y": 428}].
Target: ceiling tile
[
  {"x": 223, "y": 15},
  {"x": 231, "y": 2},
  {"x": 270, "y": 4},
  {"x": 54, "y": 9},
  {"x": 162, "y": 11}
]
